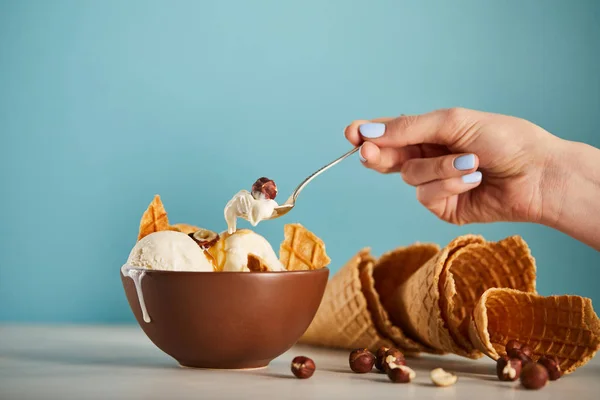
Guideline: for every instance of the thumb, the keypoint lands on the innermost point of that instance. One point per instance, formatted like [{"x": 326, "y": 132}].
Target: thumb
[{"x": 441, "y": 127}]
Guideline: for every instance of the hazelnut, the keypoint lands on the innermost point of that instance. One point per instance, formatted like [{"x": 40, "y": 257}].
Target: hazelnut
[
  {"x": 508, "y": 369},
  {"x": 526, "y": 350},
  {"x": 205, "y": 238},
  {"x": 441, "y": 378},
  {"x": 379, "y": 356},
  {"x": 512, "y": 344},
  {"x": 392, "y": 356},
  {"x": 361, "y": 361},
  {"x": 552, "y": 365},
  {"x": 518, "y": 353},
  {"x": 264, "y": 187},
  {"x": 399, "y": 373},
  {"x": 303, "y": 367},
  {"x": 534, "y": 376}
]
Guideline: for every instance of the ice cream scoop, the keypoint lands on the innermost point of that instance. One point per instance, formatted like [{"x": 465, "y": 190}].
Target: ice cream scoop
[
  {"x": 168, "y": 251},
  {"x": 245, "y": 205},
  {"x": 231, "y": 251}
]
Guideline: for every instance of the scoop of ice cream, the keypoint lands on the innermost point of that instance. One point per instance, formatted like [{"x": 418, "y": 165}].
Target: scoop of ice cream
[
  {"x": 244, "y": 205},
  {"x": 168, "y": 251},
  {"x": 231, "y": 252}
]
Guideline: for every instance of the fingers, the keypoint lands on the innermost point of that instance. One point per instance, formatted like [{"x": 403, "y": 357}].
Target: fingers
[
  {"x": 442, "y": 127},
  {"x": 418, "y": 171},
  {"x": 440, "y": 196},
  {"x": 386, "y": 160}
]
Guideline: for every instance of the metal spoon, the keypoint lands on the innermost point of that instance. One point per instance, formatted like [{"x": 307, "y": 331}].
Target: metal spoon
[{"x": 286, "y": 207}]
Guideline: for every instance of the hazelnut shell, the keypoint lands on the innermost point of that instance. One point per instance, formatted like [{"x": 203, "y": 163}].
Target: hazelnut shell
[
  {"x": 517, "y": 353},
  {"x": 400, "y": 373},
  {"x": 361, "y": 361},
  {"x": 266, "y": 187},
  {"x": 508, "y": 369},
  {"x": 379, "y": 357},
  {"x": 552, "y": 365},
  {"x": 534, "y": 376},
  {"x": 392, "y": 356},
  {"x": 204, "y": 238},
  {"x": 303, "y": 367}
]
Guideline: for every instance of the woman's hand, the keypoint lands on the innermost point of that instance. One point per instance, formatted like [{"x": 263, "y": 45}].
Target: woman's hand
[{"x": 470, "y": 166}]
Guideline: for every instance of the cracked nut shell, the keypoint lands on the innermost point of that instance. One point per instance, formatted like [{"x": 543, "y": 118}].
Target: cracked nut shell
[
  {"x": 399, "y": 373},
  {"x": 265, "y": 187},
  {"x": 552, "y": 365},
  {"x": 303, "y": 367},
  {"x": 508, "y": 369},
  {"x": 361, "y": 361},
  {"x": 379, "y": 357},
  {"x": 534, "y": 376},
  {"x": 519, "y": 354},
  {"x": 392, "y": 356},
  {"x": 205, "y": 238},
  {"x": 512, "y": 344}
]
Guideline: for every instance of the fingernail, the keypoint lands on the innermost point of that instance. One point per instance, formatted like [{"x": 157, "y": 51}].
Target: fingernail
[
  {"x": 473, "y": 177},
  {"x": 372, "y": 130},
  {"x": 360, "y": 156},
  {"x": 465, "y": 163}
]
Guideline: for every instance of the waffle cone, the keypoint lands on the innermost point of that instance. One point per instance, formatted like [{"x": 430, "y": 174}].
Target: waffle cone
[
  {"x": 473, "y": 269},
  {"x": 302, "y": 250},
  {"x": 154, "y": 218},
  {"x": 380, "y": 281},
  {"x": 343, "y": 319},
  {"x": 417, "y": 300},
  {"x": 563, "y": 326}
]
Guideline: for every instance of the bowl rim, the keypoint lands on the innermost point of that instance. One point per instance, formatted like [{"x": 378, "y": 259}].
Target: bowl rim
[{"x": 148, "y": 271}]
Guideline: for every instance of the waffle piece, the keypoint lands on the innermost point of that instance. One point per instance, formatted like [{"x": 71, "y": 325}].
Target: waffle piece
[
  {"x": 417, "y": 300},
  {"x": 302, "y": 250},
  {"x": 472, "y": 270},
  {"x": 381, "y": 281},
  {"x": 343, "y": 319},
  {"x": 154, "y": 218},
  {"x": 563, "y": 326}
]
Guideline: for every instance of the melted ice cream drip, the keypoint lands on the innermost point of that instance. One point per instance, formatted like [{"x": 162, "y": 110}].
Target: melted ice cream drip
[{"x": 137, "y": 275}]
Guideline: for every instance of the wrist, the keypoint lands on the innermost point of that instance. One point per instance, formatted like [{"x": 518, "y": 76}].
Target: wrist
[{"x": 570, "y": 189}]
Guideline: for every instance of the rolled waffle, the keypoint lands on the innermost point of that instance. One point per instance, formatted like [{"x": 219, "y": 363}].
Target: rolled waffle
[
  {"x": 472, "y": 270},
  {"x": 343, "y": 319},
  {"x": 418, "y": 300},
  {"x": 381, "y": 281},
  {"x": 563, "y": 326}
]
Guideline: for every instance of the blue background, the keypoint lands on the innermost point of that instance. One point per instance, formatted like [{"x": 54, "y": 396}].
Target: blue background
[{"x": 105, "y": 103}]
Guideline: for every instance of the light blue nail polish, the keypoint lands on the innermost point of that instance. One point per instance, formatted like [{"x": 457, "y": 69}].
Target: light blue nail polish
[
  {"x": 360, "y": 156},
  {"x": 473, "y": 177},
  {"x": 465, "y": 163},
  {"x": 372, "y": 130}
]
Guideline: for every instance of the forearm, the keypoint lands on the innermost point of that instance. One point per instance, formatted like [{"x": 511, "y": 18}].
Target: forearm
[{"x": 574, "y": 198}]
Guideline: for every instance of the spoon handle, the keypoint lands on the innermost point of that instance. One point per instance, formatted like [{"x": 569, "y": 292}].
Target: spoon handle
[{"x": 297, "y": 191}]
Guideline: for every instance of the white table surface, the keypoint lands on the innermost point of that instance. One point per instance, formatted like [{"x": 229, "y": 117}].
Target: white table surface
[{"x": 108, "y": 362}]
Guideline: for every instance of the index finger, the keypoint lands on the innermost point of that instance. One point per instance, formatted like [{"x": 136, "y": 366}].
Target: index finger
[{"x": 412, "y": 129}]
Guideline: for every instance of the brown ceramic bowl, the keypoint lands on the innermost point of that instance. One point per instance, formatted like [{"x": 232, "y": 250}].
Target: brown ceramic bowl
[{"x": 230, "y": 320}]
